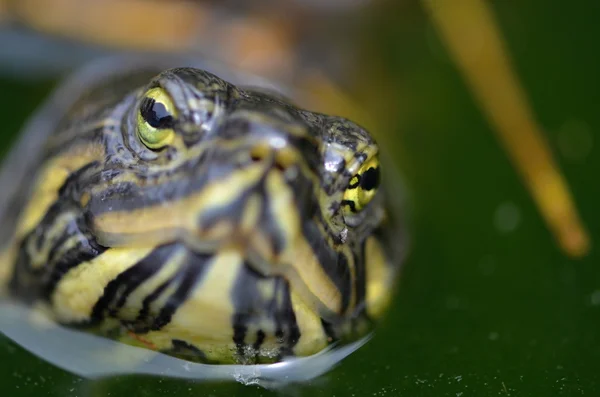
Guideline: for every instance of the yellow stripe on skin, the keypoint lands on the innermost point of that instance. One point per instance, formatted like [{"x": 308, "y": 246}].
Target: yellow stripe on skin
[
  {"x": 163, "y": 298},
  {"x": 351, "y": 262},
  {"x": 67, "y": 245},
  {"x": 53, "y": 175},
  {"x": 380, "y": 277},
  {"x": 270, "y": 346},
  {"x": 312, "y": 336},
  {"x": 7, "y": 260},
  {"x": 141, "y": 225},
  {"x": 204, "y": 319},
  {"x": 353, "y": 162},
  {"x": 307, "y": 276},
  {"x": 298, "y": 255},
  {"x": 135, "y": 300},
  {"x": 251, "y": 214},
  {"x": 39, "y": 255},
  {"x": 78, "y": 291},
  {"x": 149, "y": 224}
]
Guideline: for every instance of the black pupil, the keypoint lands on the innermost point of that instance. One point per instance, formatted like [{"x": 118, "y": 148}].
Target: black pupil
[
  {"x": 156, "y": 114},
  {"x": 370, "y": 179}
]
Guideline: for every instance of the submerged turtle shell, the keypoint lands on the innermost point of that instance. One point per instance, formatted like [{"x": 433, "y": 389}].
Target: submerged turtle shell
[{"x": 253, "y": 232}]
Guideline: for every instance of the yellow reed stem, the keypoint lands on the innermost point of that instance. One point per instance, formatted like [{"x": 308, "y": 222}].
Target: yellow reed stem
[
  {"x": 140, "y": 24},
  {"x": 472, "y": 36}
]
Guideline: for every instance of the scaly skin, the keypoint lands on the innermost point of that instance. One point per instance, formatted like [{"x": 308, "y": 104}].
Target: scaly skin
[{"x": 215, "y": 223}]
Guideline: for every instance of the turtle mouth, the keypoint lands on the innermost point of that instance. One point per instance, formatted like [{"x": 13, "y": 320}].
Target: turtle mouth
[
  {"x": 268, "y": 235},
  {"x": 265, "y": 224},
  {"x": 298, "y": 265},
  {"x": 273, "y": 221},
  {"x": 258, "y": 209}
]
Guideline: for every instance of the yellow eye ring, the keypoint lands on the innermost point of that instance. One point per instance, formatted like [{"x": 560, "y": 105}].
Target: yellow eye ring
[
  {"x": 362, "y": 187},
  {"x": 155, "y": 119}
]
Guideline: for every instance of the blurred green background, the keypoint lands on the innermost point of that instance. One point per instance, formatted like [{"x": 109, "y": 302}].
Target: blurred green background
[{"x": 487, "y": 304}]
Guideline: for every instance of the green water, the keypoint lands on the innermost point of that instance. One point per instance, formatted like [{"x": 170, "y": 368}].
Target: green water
[{"x": 487, "y": 305}]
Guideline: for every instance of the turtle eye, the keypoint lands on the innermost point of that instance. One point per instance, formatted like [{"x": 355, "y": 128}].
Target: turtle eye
[
  {"x": 156, "y": 118},
  {"x": 363, "y": 186}
]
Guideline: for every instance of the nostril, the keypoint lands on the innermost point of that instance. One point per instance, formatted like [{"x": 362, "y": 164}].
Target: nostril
[
  {"x": 280, "y": 166},
  {"x": 281, "y": 159},
  {"x": 259, "y": 153},
  {"x": 285, "y": 159}
]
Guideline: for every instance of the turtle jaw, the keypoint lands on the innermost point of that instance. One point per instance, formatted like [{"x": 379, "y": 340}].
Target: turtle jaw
[
  {"x": 254, "y": 199},
  {"x": 273, "y": 222}
]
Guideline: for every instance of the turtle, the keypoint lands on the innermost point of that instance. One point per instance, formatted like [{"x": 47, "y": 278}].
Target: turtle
[{"x": 198, "y": 215}]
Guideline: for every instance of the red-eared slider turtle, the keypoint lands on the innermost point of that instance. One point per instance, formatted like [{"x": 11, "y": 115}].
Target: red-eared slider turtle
[{"x": 174, "y": 210}]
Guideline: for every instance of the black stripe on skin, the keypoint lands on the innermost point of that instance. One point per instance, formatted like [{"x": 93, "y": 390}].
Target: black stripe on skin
[
  {"x": 239, "y": 333},
  {"x": 188, "y": 352},
  {"x": 247, "y": 302},
  {"x": 269, "y": 224},
  {"x": 58, "y": 244},
  {"x": 253, "y": 309},
  {"x": 329, "y": 330},
  {"x": 128, "y": 196},
  {"x": 303, "y": 191},
  {"x": 66, "y": 201},
  {"x": 178, "y": 183},
  {"x": 260, "y": 339},
  {"x": 143, "y": 322},
  {"x": 25, "y": 281},
  {"x": 287, "y": 329},
  {"x": 233, "y": 212},
  {"x": 38, "y": 236},
  {"x": 194, "y": 269},
  {"x": 76, "y": 227},
  {"x": 334, "y": 263},
  {"x": 118, "y": 290},
  {"x": 305, "y": 205},
  {"x": 21, "y": 272},
  {"x": 30, "y": 283},
  {"x": 350, "y": 204},
  {"x": 355, "y": 184},
  {"x": 334, "y": 235},
  {"x": 84, "y": 251}
]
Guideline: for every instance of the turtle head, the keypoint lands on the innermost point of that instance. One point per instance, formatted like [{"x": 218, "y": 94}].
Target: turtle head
[{"x": 209, "y": 164}]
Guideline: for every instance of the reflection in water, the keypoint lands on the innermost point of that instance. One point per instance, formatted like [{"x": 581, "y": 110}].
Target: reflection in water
[{"x": 93, "y": 357}]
